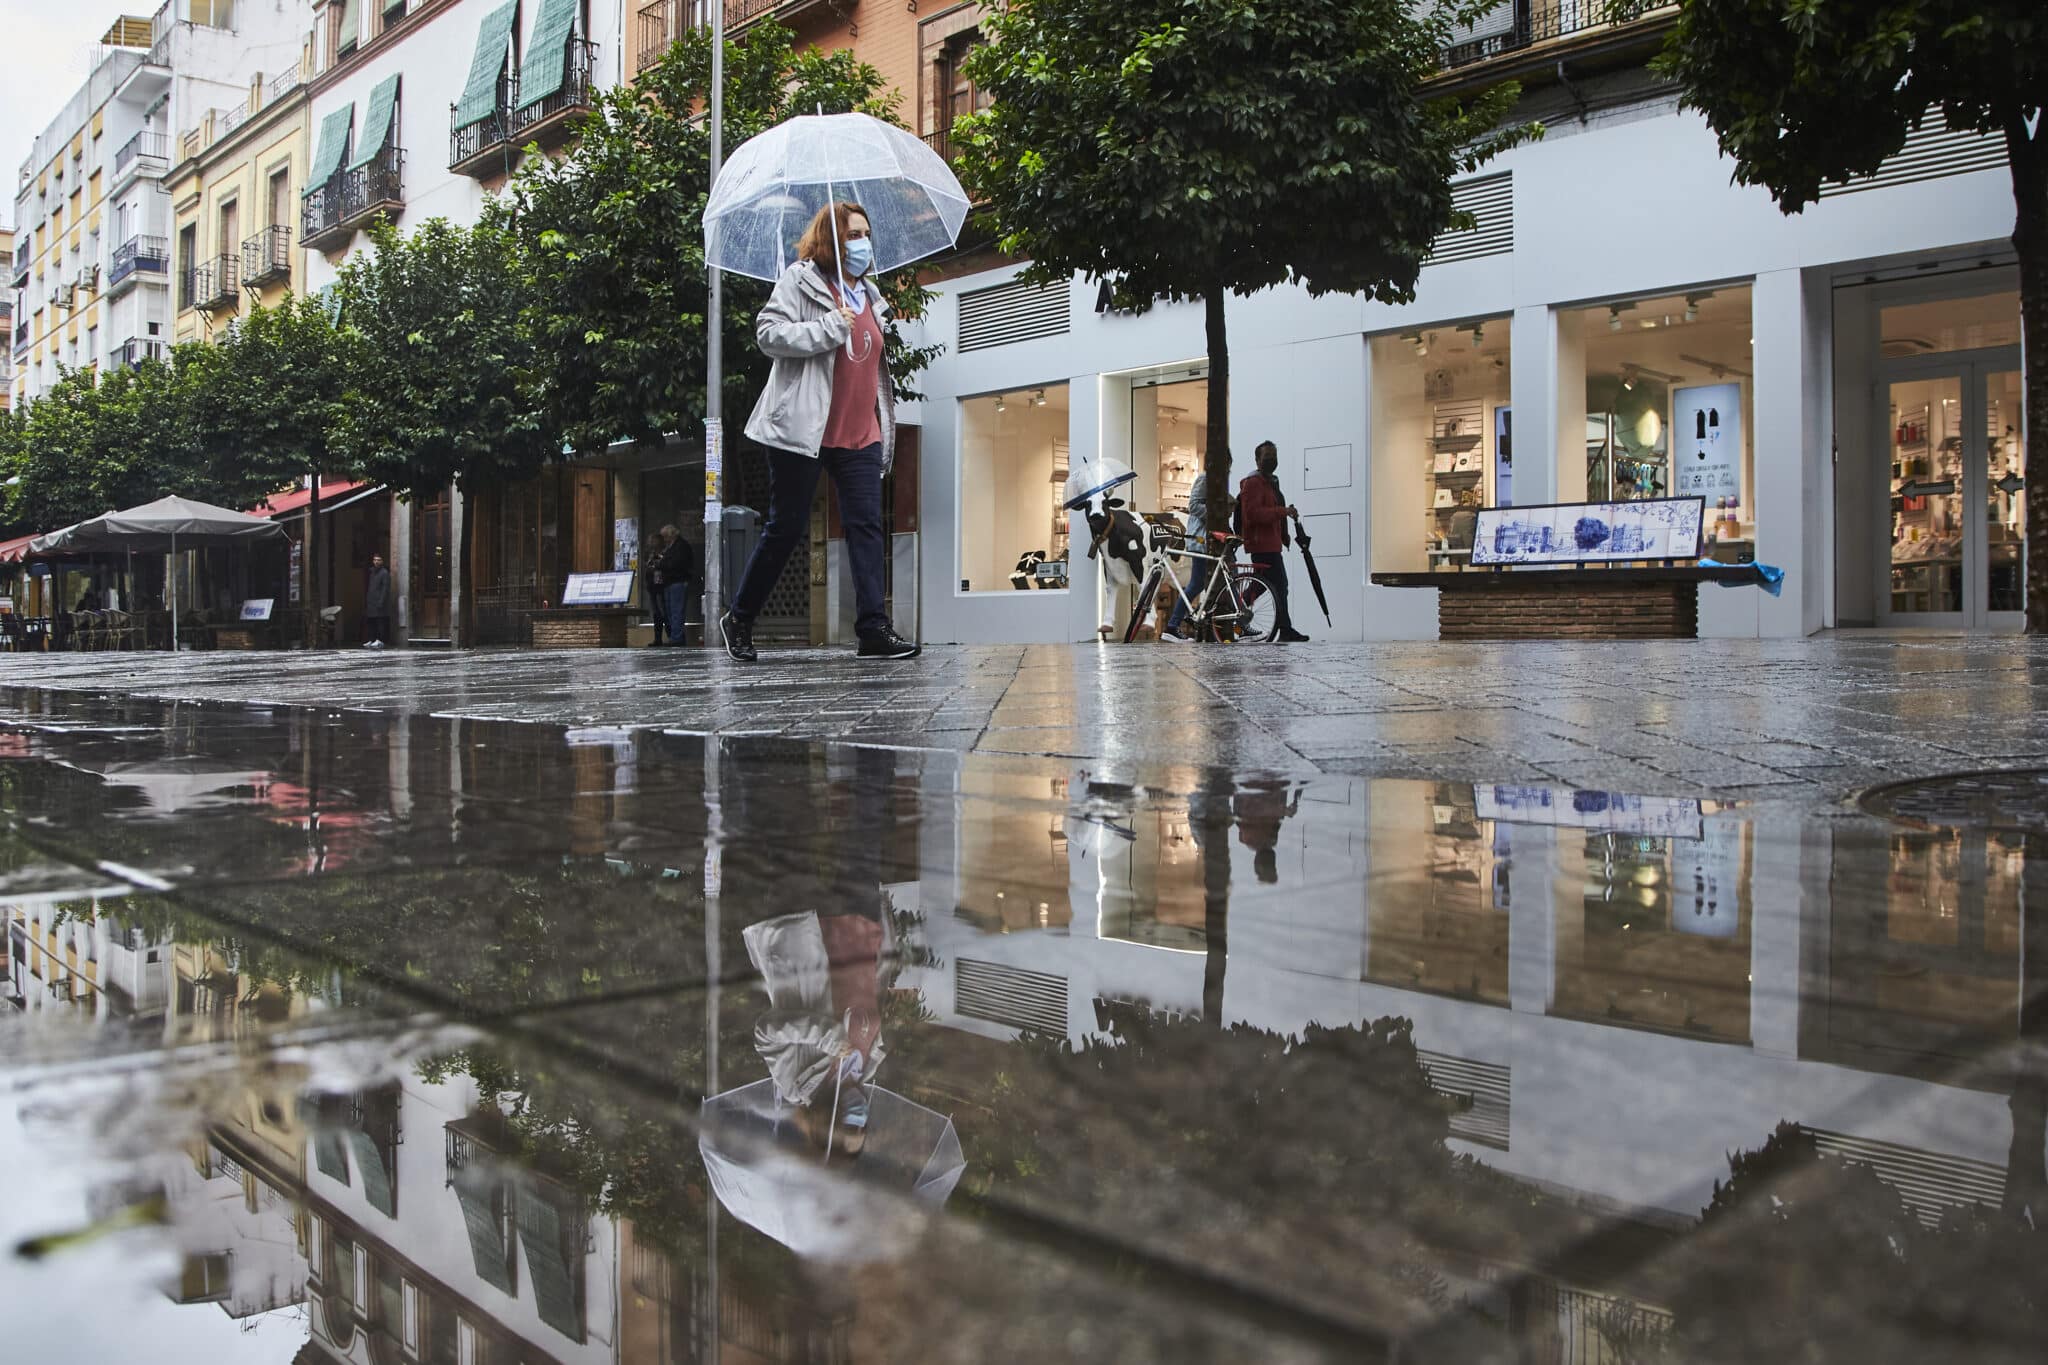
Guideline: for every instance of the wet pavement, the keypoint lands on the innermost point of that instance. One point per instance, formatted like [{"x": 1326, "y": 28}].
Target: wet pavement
[{"x": 359, "y": 1033}]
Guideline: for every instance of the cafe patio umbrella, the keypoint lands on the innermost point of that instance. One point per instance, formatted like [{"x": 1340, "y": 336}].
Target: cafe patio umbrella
[
  {"x": 774, "y": 184},
  {"x": 159, "y": 527},
  {"x": 1315, "y": 577},
  {"x": 852, "y": 1209}
]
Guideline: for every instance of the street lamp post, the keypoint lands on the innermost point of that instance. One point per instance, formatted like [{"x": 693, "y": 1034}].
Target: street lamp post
[{"x": 714, "y": 365}]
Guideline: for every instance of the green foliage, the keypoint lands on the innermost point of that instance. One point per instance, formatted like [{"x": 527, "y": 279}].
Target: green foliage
[
  {"x": 440, "y": 364},
  {"x": 1800, "y": 92},
  {"x": 611, "y": 239},
  {"x": 1185, "y": 148},
  {"x": 268, "y": 397}
]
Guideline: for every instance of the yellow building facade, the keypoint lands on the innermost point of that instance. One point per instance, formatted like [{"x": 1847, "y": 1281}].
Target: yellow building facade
[{"x": 235, "y": 187}]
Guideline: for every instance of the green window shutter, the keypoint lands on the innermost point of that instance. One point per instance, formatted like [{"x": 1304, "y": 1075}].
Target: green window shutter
[
  {"x": 333, "y": 148},
  {"x": 376, "y": 123},
  {"x": 351, "y": 24},
  {"x": 480, "y": 97},
  {"x": 547, "y": 56}
]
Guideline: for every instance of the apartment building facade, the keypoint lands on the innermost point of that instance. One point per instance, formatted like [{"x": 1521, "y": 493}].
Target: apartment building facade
[
  {"x": 420, "y": 109},
  {"x": 9, "y": 296},
  {"x": 1840, "y": 386},
  {"x": 90, "y": 202}
]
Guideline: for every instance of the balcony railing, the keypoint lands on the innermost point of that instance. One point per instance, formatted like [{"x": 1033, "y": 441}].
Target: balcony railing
[
  {"x": 131, "y": 353},
  {"x": 23, "y": 255},
  {"x": 267, "y": 257},
  {"x": 543, "y": 116},
  {"x": 188, "y": 287},
  {"x": 217, "y": 283},
  {"x": 942, "y": 143},
  {"x": 660, "y": 22},
  {"x": 1518, "y": 24},
  {"x": 145, "y": 151},
  {"x": 21, "y": 336},
  {"x": 138, "y": 255},
  {"x": 351, "y": 198},
  {"x": 482, "y": 143}
]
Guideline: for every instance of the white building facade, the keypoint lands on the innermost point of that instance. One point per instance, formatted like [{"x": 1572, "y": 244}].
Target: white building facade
[
  {"x": 93, "y": 258},
  {"x": 1841, "y": 386}
]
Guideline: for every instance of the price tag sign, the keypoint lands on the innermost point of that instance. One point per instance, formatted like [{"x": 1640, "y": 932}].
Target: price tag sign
[{"x": 597, "y": 589}]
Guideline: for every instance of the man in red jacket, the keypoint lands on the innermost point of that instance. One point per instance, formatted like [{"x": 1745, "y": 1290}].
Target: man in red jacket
[{"x": 1263, "y": 512}]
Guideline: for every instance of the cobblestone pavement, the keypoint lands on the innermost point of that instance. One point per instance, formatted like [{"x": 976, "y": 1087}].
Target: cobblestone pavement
[{"x": 1795, "y": 719}]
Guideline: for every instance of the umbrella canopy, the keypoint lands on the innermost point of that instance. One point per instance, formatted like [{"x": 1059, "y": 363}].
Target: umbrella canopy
[
  {"x": 851, "y": 1210},
  {"x": 164, "y": 525},
  {"x": 175, "y": 784},
  {"x": 1315, "y": 577},
  {"x": 775, "y": 183}
]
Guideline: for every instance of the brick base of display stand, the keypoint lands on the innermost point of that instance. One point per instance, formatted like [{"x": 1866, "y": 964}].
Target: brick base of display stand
[
  {"x": 581, "y": 627},
  {"x": 1569, "y": 604}
]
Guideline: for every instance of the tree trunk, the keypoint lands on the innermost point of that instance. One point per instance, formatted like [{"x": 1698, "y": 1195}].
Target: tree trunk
[
  {"x": 1218, "y": 457},
  {"x": 2029, "y": 159},
  {"x": 309, "y": 567}
]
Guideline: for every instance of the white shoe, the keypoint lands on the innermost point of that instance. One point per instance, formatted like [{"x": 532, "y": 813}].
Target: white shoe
[{"x": 369, "y": 644}]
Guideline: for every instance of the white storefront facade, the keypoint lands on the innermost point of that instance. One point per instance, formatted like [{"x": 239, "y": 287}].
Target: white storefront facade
[{"x": 1619, "y": 293}]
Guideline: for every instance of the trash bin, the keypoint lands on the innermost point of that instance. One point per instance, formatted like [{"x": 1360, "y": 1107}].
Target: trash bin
[{"x": 740, "y": 530}]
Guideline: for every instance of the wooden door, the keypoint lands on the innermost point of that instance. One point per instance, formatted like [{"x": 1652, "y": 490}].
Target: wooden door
[{"x": 590, "y": 547}]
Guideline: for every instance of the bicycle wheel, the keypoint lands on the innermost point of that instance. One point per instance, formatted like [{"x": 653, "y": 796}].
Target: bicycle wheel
[
  {"x": 1261, "y": 621},
  {"x": 1142, "y": 606}
]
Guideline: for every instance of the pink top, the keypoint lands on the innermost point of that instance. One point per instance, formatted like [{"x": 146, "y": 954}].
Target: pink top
[{"x": 854, "y": 422}]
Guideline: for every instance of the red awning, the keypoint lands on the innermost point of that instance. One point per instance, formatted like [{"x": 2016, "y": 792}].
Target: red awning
[
  {"x": 14, "y": 551},
  {"x": 277, "y": 504}
]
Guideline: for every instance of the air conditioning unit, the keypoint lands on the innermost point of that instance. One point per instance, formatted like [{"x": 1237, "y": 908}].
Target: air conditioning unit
[
  {"x": 65, "y": 296},
  {"x": 92, "y": 280}
]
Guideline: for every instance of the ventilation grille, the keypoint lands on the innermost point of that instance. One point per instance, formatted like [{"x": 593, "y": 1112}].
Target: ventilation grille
[
  {"x": 1491, "y": 201},
  {"x": 1930, "y": 1184},
  {"x": 1482, "y": 1086},
  {"x": 1010, "y": 313},
  {"x": 1931, "y": 152},
  {"x": 1013, "y": 996}
]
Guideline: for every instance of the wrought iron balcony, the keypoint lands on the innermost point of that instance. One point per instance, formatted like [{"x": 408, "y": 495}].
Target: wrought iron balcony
[
  {"x": 351, "y": 199},
  {"x": 267, "y": 257},
  {"x": 1514, "y": 25},
  {"x": 480, "y": 148},
  {"x": 188, "y": 287},
  {"x": 546, "y": 120},
  {"x": 21, "y": 336},
  {"x": 146, "y": 153},
  {"x": 129, "y": 354},
  {"x": 23, "y": 255},
  {"x": 218, "y": 283},
  {"x": 139, "y": 255}
]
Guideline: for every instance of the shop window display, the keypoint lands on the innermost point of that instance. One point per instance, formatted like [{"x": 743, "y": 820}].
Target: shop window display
[
  {"x": 1668, "y": 407},
  {"x": 1443, "y": 443},
  {"x": 1013, "y": 466}
]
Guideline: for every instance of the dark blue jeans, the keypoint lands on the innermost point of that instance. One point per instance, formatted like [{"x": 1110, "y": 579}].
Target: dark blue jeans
[
  {"x": 1197, "y": 580},
  {"x": 674, "y": 596},
  {"x": 792, "y": 483}
]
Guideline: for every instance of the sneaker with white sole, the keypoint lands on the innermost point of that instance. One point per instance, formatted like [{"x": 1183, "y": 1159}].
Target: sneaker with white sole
[
  {"x": 887, "y": 644},
  {"x": 739, "y": 638}
]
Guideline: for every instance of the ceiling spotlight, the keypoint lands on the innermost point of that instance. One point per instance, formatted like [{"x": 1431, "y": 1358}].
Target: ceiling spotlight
[
  {"x": 1614, "y": 318},
  {"x": 1628, "y": 377},
  {"x": 1001, "y": 404},
  {"x": 1692, "y": 307},
  {"x": 1038, "y": 398},
  {"x": 1421, "y": 346},
  {"x": 1478, "y": 334}
]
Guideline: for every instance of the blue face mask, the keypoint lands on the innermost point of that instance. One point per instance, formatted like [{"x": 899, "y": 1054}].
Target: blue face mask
[{"x": 860, "y": 257}]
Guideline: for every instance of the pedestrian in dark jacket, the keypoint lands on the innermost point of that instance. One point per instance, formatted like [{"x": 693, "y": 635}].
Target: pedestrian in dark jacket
[
  {"x": 377, "y": 605},
  {"x": 675, "y": 570},
  {"x": 1263, "y": 512},
  {"x": 650, "y": 588}
]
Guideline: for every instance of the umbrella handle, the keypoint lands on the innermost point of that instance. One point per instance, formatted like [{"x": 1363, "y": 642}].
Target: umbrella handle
[{"x": 838, "y": 247}]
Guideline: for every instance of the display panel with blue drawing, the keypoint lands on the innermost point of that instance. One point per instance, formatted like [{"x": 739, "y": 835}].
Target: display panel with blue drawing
[{"x": 1590, "y": 532}]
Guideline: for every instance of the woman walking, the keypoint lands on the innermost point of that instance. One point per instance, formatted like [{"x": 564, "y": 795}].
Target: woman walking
[{"x": 828, "y": 408}]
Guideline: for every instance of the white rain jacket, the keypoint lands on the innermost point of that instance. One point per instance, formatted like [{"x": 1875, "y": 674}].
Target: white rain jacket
[
  {"x": 800, "y": 329},
  {"x": 798, "y": 1038}
]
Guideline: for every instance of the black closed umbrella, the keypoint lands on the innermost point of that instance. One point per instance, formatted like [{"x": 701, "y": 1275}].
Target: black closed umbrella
[{"x": 1315, "y": 577}]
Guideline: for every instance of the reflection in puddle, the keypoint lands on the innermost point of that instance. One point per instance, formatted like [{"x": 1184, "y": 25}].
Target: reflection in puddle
[{"x": 784, "y": 1052}]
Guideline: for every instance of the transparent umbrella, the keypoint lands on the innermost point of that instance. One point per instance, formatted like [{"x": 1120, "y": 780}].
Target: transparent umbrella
[{"x": 771, "y": 187}]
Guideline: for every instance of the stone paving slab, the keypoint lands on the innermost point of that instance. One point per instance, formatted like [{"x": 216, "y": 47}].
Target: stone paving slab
[{"x": 1680, "y": 716}]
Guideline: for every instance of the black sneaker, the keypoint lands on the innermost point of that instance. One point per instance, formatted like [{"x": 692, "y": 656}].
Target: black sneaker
[
  {"x": 887, "y": 644},
  {"x": 1292, "y": 637},
  {"x": 739, "y": 638}
]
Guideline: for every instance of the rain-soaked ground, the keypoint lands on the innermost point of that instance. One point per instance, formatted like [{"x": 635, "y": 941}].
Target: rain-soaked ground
[{"x": 365, "y": 1036}]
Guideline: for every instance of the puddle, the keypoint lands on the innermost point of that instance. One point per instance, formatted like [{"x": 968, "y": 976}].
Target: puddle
[{"x": 346, "y": 1037}]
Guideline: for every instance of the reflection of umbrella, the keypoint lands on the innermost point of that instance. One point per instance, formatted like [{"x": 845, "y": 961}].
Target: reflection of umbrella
[
  {"x": 772, "y": 186},
  {"x": 769, "y": 1177},
  {"x": 175, "y": 784},
  {"x": 1315, "y": 577},
  {"x": 159, "y": 526}
]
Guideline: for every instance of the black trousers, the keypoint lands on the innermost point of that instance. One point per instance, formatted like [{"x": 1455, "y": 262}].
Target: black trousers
[
  {"x": 377, "y": 628},
  {"x": 1272, "y": 566},
  {"x": 792, "y": 483}
]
